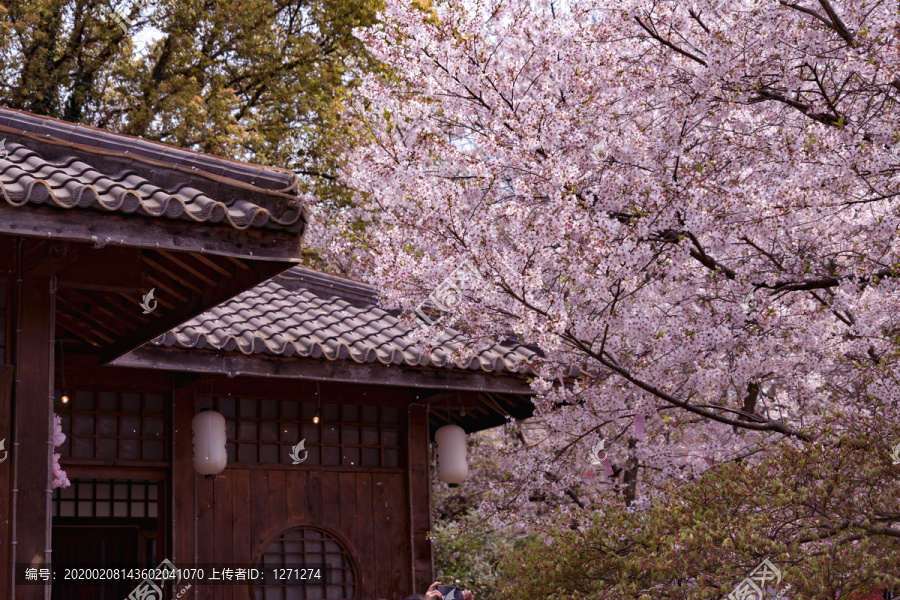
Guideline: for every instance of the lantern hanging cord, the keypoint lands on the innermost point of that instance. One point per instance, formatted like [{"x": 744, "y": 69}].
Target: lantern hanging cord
[
  {"x": 318, "y": 404},
  {"x": 62, "y": 366}
]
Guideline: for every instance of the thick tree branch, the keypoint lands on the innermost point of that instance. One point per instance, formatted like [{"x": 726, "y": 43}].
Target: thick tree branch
[
  {"x": 782, "y": 285},
  {"x": 668, "y": 44},
  {"x": 610, "y": 364},
  {"x": 825, "y": 118},
  {"x": 750, "y": 399},
  {"x": 833, "y": 21},
  {"x": 836, "y": 22}
]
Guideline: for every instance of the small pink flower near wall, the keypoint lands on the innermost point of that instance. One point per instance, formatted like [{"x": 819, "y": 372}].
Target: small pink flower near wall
[{"x": 60, "y": 480}]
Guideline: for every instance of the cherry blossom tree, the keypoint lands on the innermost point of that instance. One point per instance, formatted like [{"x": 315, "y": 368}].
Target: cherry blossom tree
[{"x": 690, "y": 208}]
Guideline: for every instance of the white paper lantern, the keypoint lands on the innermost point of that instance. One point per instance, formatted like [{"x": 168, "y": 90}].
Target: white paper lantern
[
  {"x": 451, "y": 454},
  {"x": 208, "y": 443}
]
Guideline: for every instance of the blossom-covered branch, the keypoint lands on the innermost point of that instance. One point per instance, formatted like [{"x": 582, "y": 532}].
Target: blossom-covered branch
[{"x": 685, "y": 201}]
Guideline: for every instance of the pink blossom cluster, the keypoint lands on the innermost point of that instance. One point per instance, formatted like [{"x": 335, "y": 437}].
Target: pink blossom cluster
[
  {"x": 691, "y": 208},
  {"x": 60, "y": 480}
]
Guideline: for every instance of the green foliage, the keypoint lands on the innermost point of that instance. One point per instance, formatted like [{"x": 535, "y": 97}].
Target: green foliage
[
  {"x": 824, "y": 512},
  {"x": 468, "y": 553}
]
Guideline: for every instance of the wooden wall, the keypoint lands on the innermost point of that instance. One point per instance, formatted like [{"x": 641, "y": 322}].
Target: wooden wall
[
  {"x": 27, "y": 425},
  {"x": 420, "y": 491},
  {"x": 232, "y": 518},
  {"x": 238, "y": 514},
  {"x": 368, "y": 511},
  {"x": 380, "y": 515}
]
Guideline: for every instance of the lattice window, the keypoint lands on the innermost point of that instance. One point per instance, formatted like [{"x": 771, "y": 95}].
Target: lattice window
[
  {"x": 263, "y": 431},
  {"x": 99, "y": 498},
  {"x": 307, "y": 546},
  {"x": 111, "y": 425}
]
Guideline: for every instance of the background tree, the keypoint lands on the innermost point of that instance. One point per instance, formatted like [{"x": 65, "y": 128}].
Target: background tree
[{"x": 261, "y": 80}]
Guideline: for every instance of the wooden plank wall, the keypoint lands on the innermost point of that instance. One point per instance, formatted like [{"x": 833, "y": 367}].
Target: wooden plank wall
[
  {"x": 240, "y": 511},
  {"x": 230, "y": 519},
  {"x": 85, "y": 372},
  {"x": 7, "y": 254}
]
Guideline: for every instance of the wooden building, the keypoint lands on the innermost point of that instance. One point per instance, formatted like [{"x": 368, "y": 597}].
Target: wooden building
[{"x": 90, "y": 222}]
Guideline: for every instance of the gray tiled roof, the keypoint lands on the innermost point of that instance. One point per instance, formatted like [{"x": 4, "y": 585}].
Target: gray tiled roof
[
  {"x": 309, "y": 314},
  {"x": 68, "y": 166}
]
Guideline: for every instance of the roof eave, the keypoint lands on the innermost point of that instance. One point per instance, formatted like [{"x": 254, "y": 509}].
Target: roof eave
[
  {"x": 264, "y": 365},
  {"x": 144, "y": 232}
]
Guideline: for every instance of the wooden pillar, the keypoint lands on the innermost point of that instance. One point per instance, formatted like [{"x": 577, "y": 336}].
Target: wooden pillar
[
  {"x": 31, "y": 454},
  {"x": 183, "y": 525},
  {"x": 419, "y": 482},
  {"x": 6, "y": 568}
]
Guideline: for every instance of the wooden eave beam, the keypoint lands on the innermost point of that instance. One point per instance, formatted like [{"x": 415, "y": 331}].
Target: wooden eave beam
[
  {"x": 491, "y": 412},
  {"x": 79, "y": 329},
  {"x": 43, "y": 259},
  {"x": 511, "y": 406},
  {"x": 171, "y": 292},
  {"x": 162, "y": 321},
  {"x": 262, "y": 365},
  {"x": 120, "y": 271},
  {"x": 98, "y": 317},
  {"x": 183, "y": 263},
  {"x": 102, "y": 328},
  {"x": 183, "y": 278},
  {"x": 213, "y": 265},
  {"x": 113, "y": 229}
]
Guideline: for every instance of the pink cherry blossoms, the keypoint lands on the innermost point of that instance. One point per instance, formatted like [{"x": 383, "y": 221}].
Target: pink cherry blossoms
[
  {"x": 690, "y": 208},
  {"x": 60, "y": 480}
]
